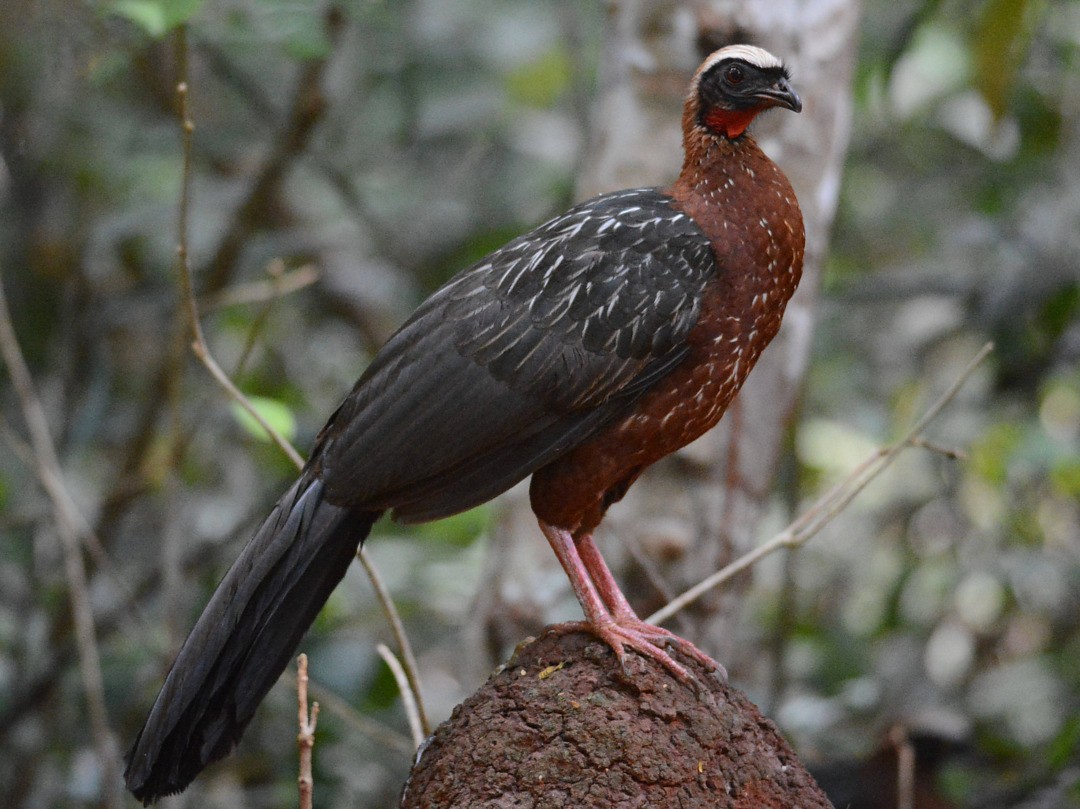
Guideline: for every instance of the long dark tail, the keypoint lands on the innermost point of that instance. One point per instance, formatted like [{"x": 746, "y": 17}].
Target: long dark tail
[{"x": 244, "y": 638}]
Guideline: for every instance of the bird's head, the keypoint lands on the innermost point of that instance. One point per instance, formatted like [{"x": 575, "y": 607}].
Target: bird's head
[{"x": 735, "y": 84}]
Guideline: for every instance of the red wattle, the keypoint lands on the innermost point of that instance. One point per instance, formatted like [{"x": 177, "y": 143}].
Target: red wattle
[{"x": 731, "y": 122}]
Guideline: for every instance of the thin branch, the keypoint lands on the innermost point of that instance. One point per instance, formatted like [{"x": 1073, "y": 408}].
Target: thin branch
[
  {"x": 305, "y": 739},
  {"x": 953, "y": 453},
  {"x": 275, "y": 270},
  {"x": 412, "y": 670},
  {"x": 905, "y": 767},
  {"x": 28, "y": 694},
  {"x": 828, "y": 506},
  {"x": 265, "y": 291},
  {"x": 377, "y": 731},
  {"x": 203, "y": 353},
  {"x": 130, "y": 482},
  {"x": 86, "y": 535},
  {"x": 68, "y": 519},
  {"x": 183, "y": 265},
  {"x": 407, "y": 701}
]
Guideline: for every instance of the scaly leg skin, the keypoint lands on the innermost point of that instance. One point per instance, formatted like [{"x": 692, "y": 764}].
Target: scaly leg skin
[
  {"x": 609, "y": 616},
  {"x": 624, "y": 614}
]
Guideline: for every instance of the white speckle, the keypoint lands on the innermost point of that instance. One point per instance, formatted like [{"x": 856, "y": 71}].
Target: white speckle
[{"x": 551, "y": 270}]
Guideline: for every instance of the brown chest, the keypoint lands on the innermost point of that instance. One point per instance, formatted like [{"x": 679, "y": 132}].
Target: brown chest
[{"x": 750, "y": 215}]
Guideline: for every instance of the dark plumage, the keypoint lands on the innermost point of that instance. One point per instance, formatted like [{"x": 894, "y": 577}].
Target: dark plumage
[
  {"x": 520, "y": 357},
  {"x": 582, "y": 351}
]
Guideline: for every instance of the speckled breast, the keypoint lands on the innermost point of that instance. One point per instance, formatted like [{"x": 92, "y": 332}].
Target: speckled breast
[{"x": 753, "y": 221}]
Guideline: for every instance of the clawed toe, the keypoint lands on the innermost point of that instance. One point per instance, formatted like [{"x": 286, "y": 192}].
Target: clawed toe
[{"x": 652, "y": 642}]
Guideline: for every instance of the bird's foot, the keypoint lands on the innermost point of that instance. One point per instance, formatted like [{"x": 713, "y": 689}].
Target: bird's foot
[
  {"x": 660, "y": 638},
  {"x": 647, "y": 640}
]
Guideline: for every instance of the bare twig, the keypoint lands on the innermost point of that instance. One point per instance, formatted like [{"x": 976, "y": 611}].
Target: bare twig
[
  {"x": 905, "y": 767},
  {"x": 305, "y": 739},
  {"x": 131, "y": 480},
  {"x": 269, "y": 290},
  {"x": 407, "y": 701},
  {"x": 69, "y": 524},
  {"x": 827, "y": 507},
  {"x": 86, "y": 535},
  {"x": 365, "y": 725},
  {"x": 275, "y": 270},
  {"x": 183, "y": 266},
  {"x": 203, "y": 353},
  {"x": 412, "y": 670},
  {"x": 954, "y": 453}
]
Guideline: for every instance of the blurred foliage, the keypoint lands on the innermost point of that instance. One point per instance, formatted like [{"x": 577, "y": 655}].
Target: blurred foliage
[
  {"x": 391, "y": 146},
  {"x": 276, "y": 414},
  {"x": 155, "y": 17},
  {"x": 957, "y": 224}
]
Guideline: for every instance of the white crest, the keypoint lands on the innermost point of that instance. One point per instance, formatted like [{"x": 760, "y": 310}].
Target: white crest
[{"x": 758, "y": 57}]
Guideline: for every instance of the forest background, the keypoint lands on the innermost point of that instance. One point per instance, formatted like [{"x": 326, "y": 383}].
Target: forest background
[{"x": 344, "y": 163}]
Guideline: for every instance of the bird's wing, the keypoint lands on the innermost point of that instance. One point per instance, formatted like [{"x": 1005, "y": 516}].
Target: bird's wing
[{"x": 520, "y": 357}]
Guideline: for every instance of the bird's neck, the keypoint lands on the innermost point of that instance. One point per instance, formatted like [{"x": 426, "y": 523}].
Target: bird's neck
[
  {"x": 712, "y": 164},
  {"x": 725, "y": 183},
  {"x": 743, "y": 202}
]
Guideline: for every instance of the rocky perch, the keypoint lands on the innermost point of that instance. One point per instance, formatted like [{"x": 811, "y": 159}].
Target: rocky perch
[{"x": 562, "y": 725}]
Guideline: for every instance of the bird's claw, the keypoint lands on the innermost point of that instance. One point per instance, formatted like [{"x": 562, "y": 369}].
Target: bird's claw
[{"x": 648, "y": 641}]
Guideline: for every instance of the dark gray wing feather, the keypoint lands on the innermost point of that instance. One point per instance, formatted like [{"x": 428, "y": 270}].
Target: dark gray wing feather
[{"x": 520, "y": 357}]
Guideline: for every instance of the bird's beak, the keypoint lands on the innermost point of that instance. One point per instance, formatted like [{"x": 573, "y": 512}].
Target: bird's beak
[{"x": 781, "y": 94}]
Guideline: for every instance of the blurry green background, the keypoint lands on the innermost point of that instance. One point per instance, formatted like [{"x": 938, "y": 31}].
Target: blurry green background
[{"x": 444, "y": 129}]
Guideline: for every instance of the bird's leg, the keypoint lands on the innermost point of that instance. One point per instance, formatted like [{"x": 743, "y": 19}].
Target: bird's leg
[
  {"x": 624, "y": 614},
  {"x": 562, "y": 542},
  {"x": 619, "y": 631},
  {"x": 605, "y": 582}
]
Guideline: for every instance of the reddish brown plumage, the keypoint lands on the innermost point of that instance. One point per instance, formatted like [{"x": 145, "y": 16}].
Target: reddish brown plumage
[{"x": 746, "y": 207}]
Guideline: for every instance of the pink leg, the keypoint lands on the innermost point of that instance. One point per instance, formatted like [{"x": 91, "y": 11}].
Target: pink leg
[
  {"x": 608, "y": 614},
  {"x": 596, "y": 611},
  {"x": 624, "y": 614}
]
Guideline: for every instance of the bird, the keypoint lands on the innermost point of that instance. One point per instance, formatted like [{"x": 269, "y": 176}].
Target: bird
[{"x": 579, "y": 353}]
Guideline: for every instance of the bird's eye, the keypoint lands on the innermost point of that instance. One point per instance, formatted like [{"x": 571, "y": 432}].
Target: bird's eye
[{"x": 734, "y": 75}]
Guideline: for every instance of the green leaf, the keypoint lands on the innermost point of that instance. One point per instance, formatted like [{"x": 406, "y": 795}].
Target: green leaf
[
  {"x": 540, "y": 82},
  {"x": 155, "y": 17},
  {"x": 1065, "y": 746},
  {"x": 990, "y": 456},
  {"x": 275, "y": 413},
  {"x": 1065, "y": 477},
  {"x": 298, "y": 26},
  {"x": 1002, "y": 39}
]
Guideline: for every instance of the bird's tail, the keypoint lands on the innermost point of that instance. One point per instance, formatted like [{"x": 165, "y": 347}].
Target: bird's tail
[{"x": 245, "y": 638}]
